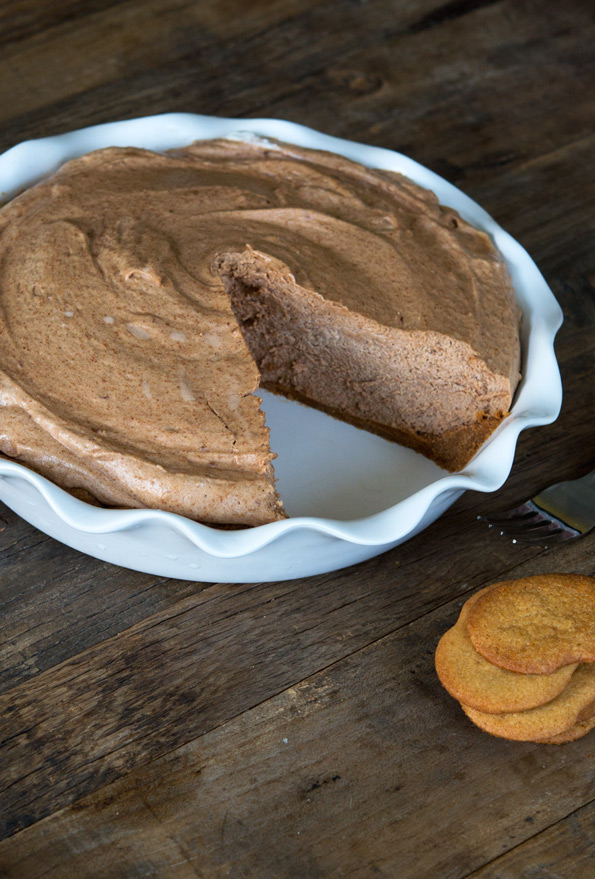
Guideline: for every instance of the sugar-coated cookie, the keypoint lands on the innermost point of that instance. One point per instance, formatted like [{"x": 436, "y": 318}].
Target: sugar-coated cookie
[
  {"x": 535, "y": 625},
  {"x": 574, "y": 705},
  {"x": 473, "y": 680}
]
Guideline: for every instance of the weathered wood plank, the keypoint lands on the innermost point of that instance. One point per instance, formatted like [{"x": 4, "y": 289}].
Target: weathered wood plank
[
  {"x": 159, "y": 40},
  {"x": 187, "y": 669},
  {"x": 366, "y": 64},
  {"x": 367, "y": 768},
  {"x": 22, "y": 19},
  {"x": 56, "y": 602},
  {"x": 461, "y": 112},
  {"x": 566, "y": 849},
  {"x": 66, "y": 602},
  {"x": 546, "y": 204}
]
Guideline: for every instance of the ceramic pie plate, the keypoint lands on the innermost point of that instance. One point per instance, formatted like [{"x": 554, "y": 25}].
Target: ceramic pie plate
[{"x": 350, "y": 495}]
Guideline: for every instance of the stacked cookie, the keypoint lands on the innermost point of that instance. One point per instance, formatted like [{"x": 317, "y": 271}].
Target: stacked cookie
[{"x": 521, "y": 658}]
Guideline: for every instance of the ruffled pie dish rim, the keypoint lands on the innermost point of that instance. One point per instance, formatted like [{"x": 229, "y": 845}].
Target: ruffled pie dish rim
[{"x": 301, "y": 545}]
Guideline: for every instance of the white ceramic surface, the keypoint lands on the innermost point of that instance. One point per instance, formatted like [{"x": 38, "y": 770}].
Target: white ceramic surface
[{"x": 350, "y": 495}]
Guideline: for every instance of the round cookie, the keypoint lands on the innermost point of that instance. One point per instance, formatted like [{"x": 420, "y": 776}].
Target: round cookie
[
  {"x": 574, "y": 705},
  {"x": 571, "y": 735},
  {"x": 535, "y": 625},
  {"x": 471, "y": 679}
]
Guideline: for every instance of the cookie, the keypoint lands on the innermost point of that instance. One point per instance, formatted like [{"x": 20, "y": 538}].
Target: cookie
[
  {"x": 574, "y": 705},
  {"x": 571, "y": 735},
  {"x": 471, "y": 679},
  {"x": 535, "y": 625}
]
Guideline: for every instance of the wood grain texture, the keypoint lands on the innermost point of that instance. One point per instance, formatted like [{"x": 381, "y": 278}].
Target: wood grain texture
[
  {"x": 159, "y": 728},
  {"x": 180, "y": 673},
  {"x": 565, "y": 849},
  {"x": 343, "y": 753}
]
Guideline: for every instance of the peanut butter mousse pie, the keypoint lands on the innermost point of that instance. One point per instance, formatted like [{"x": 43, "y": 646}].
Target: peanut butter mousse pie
[{"x": 144, "y": 297}]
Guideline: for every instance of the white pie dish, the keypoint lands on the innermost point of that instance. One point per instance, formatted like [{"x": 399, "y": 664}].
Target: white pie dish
[{"x": 350, "y": 495}]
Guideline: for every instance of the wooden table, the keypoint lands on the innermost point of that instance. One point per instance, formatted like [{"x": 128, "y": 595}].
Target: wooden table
[{"x": 297, "y": 729}]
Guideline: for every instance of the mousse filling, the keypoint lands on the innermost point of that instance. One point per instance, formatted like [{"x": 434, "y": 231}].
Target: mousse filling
[{"x": 144, "y": 297}]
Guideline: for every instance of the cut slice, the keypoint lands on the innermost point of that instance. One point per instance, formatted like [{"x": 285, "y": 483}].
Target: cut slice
[{"x": 423, "y": 389}]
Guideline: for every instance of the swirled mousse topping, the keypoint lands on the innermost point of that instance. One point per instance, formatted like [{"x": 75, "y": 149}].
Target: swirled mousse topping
[{"x": 143, "y": 297}]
